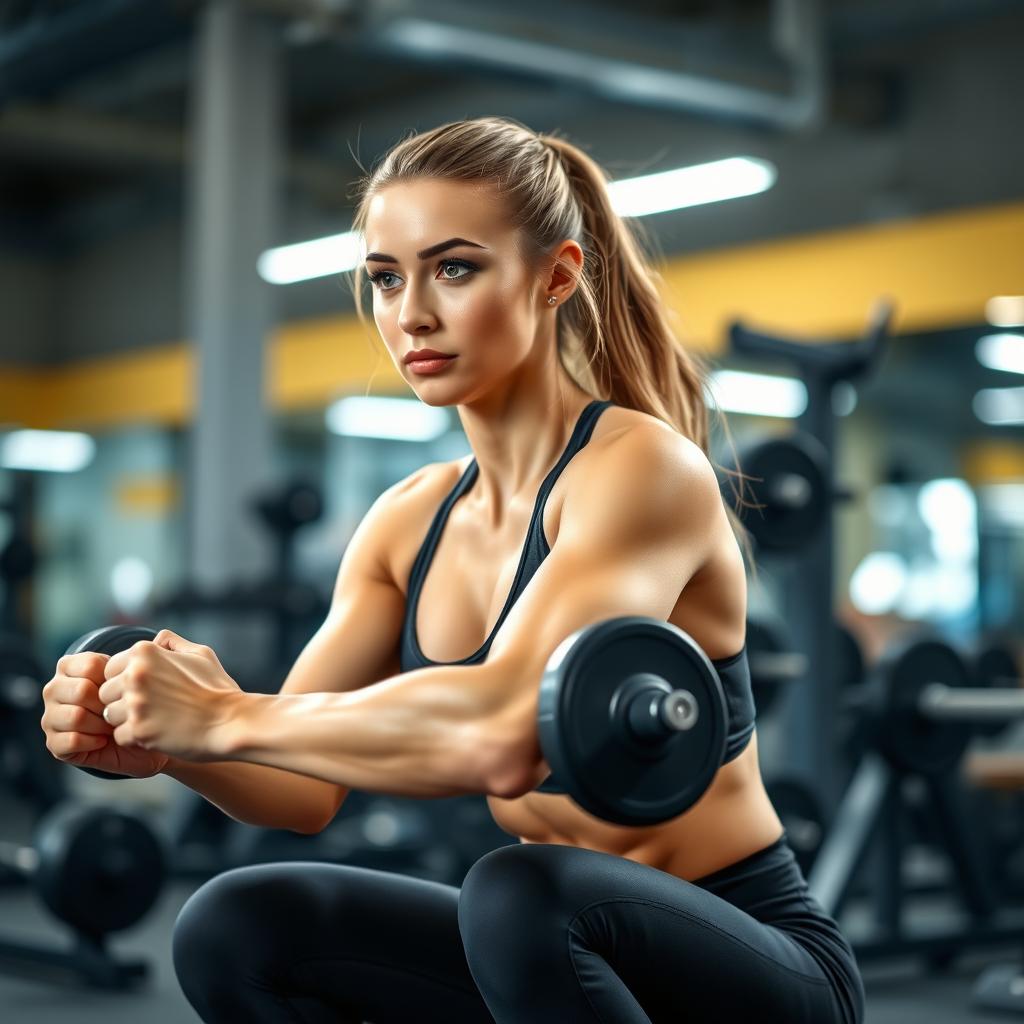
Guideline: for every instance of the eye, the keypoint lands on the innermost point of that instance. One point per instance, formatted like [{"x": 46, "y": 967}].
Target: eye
[
  {"x": 459, "y": 265},
  {"x": 378, "y": 279}
]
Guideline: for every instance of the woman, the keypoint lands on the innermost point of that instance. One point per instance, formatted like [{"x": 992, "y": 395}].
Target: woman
[{"x": 505, "y": 285}]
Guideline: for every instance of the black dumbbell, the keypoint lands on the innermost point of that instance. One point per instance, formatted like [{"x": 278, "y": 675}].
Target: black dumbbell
[
  {"x": 98, "y": 871},
  {"x": 109, "y": 640},
  {"x": 632, "y": 720}
]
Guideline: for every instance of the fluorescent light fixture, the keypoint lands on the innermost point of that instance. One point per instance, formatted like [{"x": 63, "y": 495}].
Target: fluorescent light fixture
[
  {"x": 1001, "y": 352},
  {"x": 999, "y": 407},
  {"x": 691, "y": 186},
  {"x": 1005, "y": 311},
  {"x": 632, "y": 197},
  {"x": 48, "y": 451},
  {"x": 394, "y": 419},
  {"x": 305, "y": 260},
  {"x": 758, "y": 394}
]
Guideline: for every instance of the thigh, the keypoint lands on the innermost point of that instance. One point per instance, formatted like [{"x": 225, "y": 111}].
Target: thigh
[
  {"x": 364, "y": 944},
  {"x": 681, "y": 951}
]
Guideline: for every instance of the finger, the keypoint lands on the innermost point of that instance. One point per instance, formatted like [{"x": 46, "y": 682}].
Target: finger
[
  {"x": 118, "y": 662},
  {"x": 76, "y": 691},
  {"x": 115, "y": 714},
  {"x": 87, "y": 665},
  {"x": 176, "y": 642},
  {"x": 67, "y": 718},
  {"x": 124, "y": 736},
  {"x": 111, "y": 690},
  {"x": 65, "y": 745}
]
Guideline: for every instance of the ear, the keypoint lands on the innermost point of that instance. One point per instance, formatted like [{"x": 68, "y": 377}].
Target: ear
[{"x": 567, "y": 265}]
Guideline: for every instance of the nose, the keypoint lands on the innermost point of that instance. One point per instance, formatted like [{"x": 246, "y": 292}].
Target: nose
[{"x": 415, "y": 316}]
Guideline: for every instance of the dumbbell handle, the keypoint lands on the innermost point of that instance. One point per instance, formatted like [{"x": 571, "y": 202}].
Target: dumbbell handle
[
  {"x": 940, "y": 702},
  {"x": 652, "y": 710},
  {"x": 777, "y": 666},
  {"x": 790, "y": 491}
]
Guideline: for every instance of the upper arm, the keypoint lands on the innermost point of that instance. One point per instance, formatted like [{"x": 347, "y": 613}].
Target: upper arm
[
  {"x": 357, "y": 643},
  {"x": 633, "y": 532}
]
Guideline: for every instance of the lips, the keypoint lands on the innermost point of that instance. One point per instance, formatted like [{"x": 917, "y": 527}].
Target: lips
[{"x": 424, "y": 355}]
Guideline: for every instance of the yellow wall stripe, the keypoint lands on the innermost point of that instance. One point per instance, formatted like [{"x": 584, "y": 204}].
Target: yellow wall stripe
[{"x": 940, "y": 270}]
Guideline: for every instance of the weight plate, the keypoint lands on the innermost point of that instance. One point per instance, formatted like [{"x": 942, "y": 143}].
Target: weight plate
[
  {"x": 913, "y": 742},
  {"x": 111, "y": 639},
  {"x": 585, "y": 744},
  {"x": 790, "y": 484},
  {"x": 995, "y": 667},
  {"x": 99, "y": 870},
  {"x": 802, "y": 817},
  {"x": 849, "y": 658},
  {"x": 764, "y": 640}
]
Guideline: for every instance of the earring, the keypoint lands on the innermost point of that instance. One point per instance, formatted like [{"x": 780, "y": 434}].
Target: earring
[{"x": 551, "y": 300}]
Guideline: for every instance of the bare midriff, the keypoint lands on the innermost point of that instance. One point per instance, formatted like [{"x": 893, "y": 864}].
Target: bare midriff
[{"x": 466, "y": 586}]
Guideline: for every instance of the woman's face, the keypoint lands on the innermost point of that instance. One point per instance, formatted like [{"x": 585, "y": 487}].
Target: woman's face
[{"x": 473, "y": 299}]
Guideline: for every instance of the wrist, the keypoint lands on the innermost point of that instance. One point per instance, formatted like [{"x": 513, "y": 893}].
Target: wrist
[{"x": 234, "y": 733}]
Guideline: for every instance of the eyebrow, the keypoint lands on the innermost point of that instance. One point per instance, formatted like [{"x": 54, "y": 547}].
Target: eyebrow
[{"x": 424, "y": 254}]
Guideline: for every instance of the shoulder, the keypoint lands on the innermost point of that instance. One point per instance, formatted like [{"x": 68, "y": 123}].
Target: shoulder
[
  {"x": 643, "y": 476},
  {"x": 641, "y": 451}
]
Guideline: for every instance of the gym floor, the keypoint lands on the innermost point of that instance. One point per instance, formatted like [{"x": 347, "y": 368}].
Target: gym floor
[{"x": 898, "y": 993}]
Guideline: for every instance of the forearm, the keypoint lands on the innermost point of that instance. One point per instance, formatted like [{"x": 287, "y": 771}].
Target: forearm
[
  {"x": 428, "y": 733},
  {"x": 257, "y": 794}
]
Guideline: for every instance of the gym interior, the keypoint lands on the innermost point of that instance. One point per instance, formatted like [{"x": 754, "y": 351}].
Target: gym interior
[{"x": 194, "y": 422}]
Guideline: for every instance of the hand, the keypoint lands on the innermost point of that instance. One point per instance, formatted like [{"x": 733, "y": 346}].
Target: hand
[
  {"x": 171, "y": 695},
  {"x": 74, "y": 727}
]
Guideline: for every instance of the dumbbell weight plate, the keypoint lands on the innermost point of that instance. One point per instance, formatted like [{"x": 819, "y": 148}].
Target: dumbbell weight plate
[
  {"x": 995, "y": 667},
  {"x": 583, "y": 742},
  {"x": 801, "y": 814},
  {"x": 99, "y": 870},
  {"x": 790, "y": 480},
  {"x": 764, "y": 642},
  {"x": 849, "y": 658},
  {"x": 109, "y": 640},
  {"x": 913, "y": 741}
]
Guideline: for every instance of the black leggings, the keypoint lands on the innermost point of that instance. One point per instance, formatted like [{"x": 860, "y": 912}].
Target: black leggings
[{"x": 536, "y": 934}]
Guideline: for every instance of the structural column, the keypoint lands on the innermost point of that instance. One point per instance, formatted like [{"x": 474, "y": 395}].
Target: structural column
[{"x": 235, "y": 138}]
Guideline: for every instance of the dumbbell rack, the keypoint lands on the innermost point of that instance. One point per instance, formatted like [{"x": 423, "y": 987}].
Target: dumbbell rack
[
  {"x": 873, "y": 811},
  {"x": 87, "y": 957},
  {"x": 917, "y": 718}
]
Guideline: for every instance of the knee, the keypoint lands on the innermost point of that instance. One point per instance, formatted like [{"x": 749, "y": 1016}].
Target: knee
[
  {"x": 510, "y": 891},
  {"x": 219, "y": 924}
]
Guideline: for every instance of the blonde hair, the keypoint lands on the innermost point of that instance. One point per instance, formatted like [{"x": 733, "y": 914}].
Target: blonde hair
[{"x": 614, "y": 335}]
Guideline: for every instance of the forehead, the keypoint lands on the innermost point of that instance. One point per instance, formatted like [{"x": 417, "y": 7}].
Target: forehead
[{"x": 414, "y": 214}]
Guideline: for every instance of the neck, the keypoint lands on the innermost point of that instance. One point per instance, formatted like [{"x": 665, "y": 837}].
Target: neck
[{"x": 517, "y": 437}]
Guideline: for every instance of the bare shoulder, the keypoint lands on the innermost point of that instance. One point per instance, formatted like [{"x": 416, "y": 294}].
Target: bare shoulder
[{"x": 638, "y": 450}]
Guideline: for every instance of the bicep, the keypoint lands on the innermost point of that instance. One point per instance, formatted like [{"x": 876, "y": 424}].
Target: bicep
[
  {"x": 357, "y": 644},
  {"x": 631, "y": 537}
]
